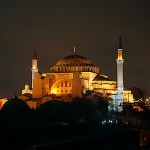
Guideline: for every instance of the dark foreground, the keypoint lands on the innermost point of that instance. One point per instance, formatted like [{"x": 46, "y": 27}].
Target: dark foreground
[{"x": 82, "y": 137}]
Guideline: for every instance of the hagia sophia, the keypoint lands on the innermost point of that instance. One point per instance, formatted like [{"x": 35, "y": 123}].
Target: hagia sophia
[{"x": 71, "y": 77}]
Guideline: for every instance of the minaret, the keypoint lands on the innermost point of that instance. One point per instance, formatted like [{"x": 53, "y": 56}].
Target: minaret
[
  {"x": 34, "y": 68},
  {"x": 120, "y": 61}
]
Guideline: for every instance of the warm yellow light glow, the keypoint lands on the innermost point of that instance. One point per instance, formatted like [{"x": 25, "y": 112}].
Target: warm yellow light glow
[
  {"x": 54, "y": 91},
  {"x": 33, "y": 67},
  {"x": 119, "y": 54},
  {"x": 128, "y": 97},
  {"x": 27, "y": 87}
]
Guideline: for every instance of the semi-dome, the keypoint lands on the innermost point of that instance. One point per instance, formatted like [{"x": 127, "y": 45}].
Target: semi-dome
[{"x": 74, "y": 60}]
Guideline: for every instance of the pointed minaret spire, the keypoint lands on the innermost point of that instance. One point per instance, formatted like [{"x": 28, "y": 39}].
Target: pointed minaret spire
[
  {"x": 34, "y": 55},
  {"x": 74, "y": 50},
  {"x": 120, "y": 41}
]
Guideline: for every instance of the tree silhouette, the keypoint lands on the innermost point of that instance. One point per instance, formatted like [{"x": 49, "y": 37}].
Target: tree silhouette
[
  {"x": 137, "y": 92},
  {"x": 49, "y": 111},
  {"x": 84, "y": 111},
  {"x": 101, "y": 103},
  {"x": 15, "y": 112}
]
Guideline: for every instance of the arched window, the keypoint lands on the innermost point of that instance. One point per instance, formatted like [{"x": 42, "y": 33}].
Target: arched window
[
  {"x": 69, "y": 84},
  {"x": 66, "y": 83},
  {"x": 58, "y": 69},
  {"x": 62, "y": 84}
]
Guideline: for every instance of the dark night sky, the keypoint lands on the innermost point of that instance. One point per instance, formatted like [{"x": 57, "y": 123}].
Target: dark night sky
[{"x": 56, "y": 26}]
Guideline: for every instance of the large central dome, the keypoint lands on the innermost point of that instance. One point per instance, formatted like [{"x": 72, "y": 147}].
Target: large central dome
[
  {"x": 73, "y": 60},
  {"x": 74, "y": 63}
]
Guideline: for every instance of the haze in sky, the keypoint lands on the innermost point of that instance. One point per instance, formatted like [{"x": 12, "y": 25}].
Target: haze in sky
[{"x": 55, "y": 27}]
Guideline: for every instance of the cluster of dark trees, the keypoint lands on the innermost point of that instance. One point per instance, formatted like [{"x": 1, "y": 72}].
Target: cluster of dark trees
[
  {"x": 137, "y": 93},
  {"x": 16, "y": 113}
]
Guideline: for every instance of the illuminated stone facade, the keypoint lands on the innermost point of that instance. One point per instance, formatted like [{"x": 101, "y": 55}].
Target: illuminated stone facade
[{"x": 71, "y": 77}]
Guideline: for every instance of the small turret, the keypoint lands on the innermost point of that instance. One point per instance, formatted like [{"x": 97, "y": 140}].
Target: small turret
[
  {"x": 27, "y": 86},
  {"x": 27, "y": 89}
]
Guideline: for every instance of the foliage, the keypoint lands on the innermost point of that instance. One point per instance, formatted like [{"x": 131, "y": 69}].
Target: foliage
[
  {"x": 49, "y": 111},
  {"x": 137, "y": 93},
  {"x": 88, "y": 111},
  {"x": 15, "y": 112},
  {"x": 84, "y": 111}
]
